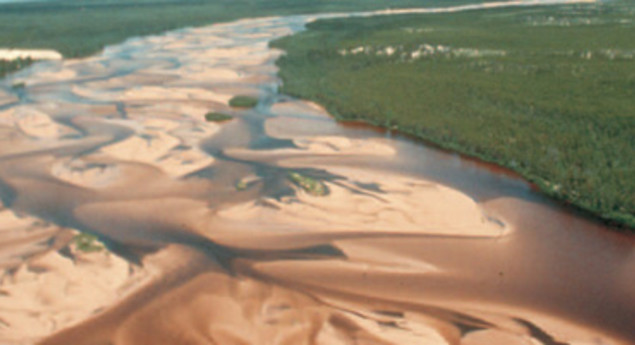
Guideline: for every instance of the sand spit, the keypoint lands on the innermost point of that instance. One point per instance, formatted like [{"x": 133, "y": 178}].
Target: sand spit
[
  {"x": 280, "y": 226},
  {"x": 14, "y": 54}
]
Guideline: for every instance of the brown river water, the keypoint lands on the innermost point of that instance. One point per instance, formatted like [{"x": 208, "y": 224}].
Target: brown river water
[{"x": 210, "y": 240}]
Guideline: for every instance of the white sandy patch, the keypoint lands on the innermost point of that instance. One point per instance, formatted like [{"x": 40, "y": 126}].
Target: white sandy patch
[
  {"x": 53, "y": 76},
  {"x": 405, "y": 205},
  {"x": 21, "y": 237},
  {"x": 9, "y": 220},
  {"x": 147, "y": 148},
  {"x": 159, "y": 124},
  {"x": 510, "y": 331},
  {"x": 376, "y": 259},
  {"x": 82, "y": 173},
  {"x": 52, "y": 292},
  {"x": 303, "y": 108},
  {"x": 321, "y": 146},
  {"x": 7, "y": 118},
  {"x": 494, "y": 337},
  {"x": 201, "y": 72},
  {"x": 153, "y": 94},
  {"x": 179, "y": 163},
  {"x": 192, "y": 133},
  {"x": 42, "y": 54},
  {"x": 156, "y": 144},
  {"x": 230, "y": 53},
  {"x": 333, "y": 145},
  {"x": 6, "y": 98},
  {"x": 35, "y": 123},
  {"x": 168, "y": 110},
  {"x": 397, "y": 335},
  {"x": 157, "y": 93}
]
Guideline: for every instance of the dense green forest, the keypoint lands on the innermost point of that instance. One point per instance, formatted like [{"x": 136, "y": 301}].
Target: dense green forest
[
  {"x": 546, "y": 91},
  {"x": 80, "y": 28}
]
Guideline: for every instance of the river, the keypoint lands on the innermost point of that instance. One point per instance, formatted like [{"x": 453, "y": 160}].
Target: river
[{"x": 223, "y": 245}]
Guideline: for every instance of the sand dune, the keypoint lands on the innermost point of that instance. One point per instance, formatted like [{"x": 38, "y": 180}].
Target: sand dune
[{"x": 13, "y": 54}]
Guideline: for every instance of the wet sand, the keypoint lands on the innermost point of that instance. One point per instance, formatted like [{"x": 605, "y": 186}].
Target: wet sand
[{"x": 210, "y": 240}]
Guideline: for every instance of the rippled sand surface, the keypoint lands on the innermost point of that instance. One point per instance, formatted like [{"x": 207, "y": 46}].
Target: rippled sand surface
[{"x": 211, "y": 240}]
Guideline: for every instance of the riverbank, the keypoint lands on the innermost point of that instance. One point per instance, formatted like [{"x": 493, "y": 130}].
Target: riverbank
[{"x": 541, "y": 91}]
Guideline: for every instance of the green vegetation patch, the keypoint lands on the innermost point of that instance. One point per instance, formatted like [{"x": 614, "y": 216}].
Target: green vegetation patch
[
  {"x": 548, "y": 91},
  {"x": 308, "y": 184},
  {"x": 241, "y": 185},
  {"x": 243, "y": 102},
  {"x": 87, "y": 243},
  {"x": 217, "y": 117}
]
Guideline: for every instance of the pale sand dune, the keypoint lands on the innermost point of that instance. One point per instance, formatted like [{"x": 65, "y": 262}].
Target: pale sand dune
[
  {"x": 43, "y": 291},
  {"x": 320, "y": 146},
  {"x": 147, "y": 147},
  {"x": 147, "y": 94},
  {"x": 7, "y": 98},
  {"x": 168, "y": 110},
  {"x": 150, "y": 93},
  {"x": 156, "y": 142},
  {"x": 42, "y": 54},
  {"x": 403, "y": 205},
  {"x": 303, "y": 109},
  {"x": 203, "y": 73},
  {"x": 243, "y": 311},
  {"x": 36, "y": 124},
  {"x": 343, "y": 145},
  {"x": 54, "y": 75},
  {"x": 22, "y": 236},
  {"x": 294, "y": 127},
  {"x": 336, "y": 282},
  {"x": 128, "y": 81},
  {"x": 179, "y": 163},
  {"x": 230, "y": 53},
  {"x": 191, "y": 133},
  {"x": 492, "y": 337},
  {"x": 86, "y": 174},
  {"x": 51, "y": 291}
]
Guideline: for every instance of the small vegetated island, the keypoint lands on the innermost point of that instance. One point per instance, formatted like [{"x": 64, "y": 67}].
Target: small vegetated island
[
  {"x": 546, "y": 91},
  {"x": 242, "y": 101},
  {"x": 214, "y": 116}
]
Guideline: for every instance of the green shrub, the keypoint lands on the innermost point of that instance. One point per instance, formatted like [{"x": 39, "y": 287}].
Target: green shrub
[
  {"x": 308, "y": 184},
  {"x": 241, "y": 185},
  {"x": 217, "y": 117},
  {"x": 87, "y": 243},
  {"x": 243, "y": 102}
]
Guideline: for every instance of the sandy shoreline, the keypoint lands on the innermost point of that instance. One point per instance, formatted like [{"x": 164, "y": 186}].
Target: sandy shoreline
[
  {"x": 277, "y": 227},
  {"x": 35, "y": 54}
]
